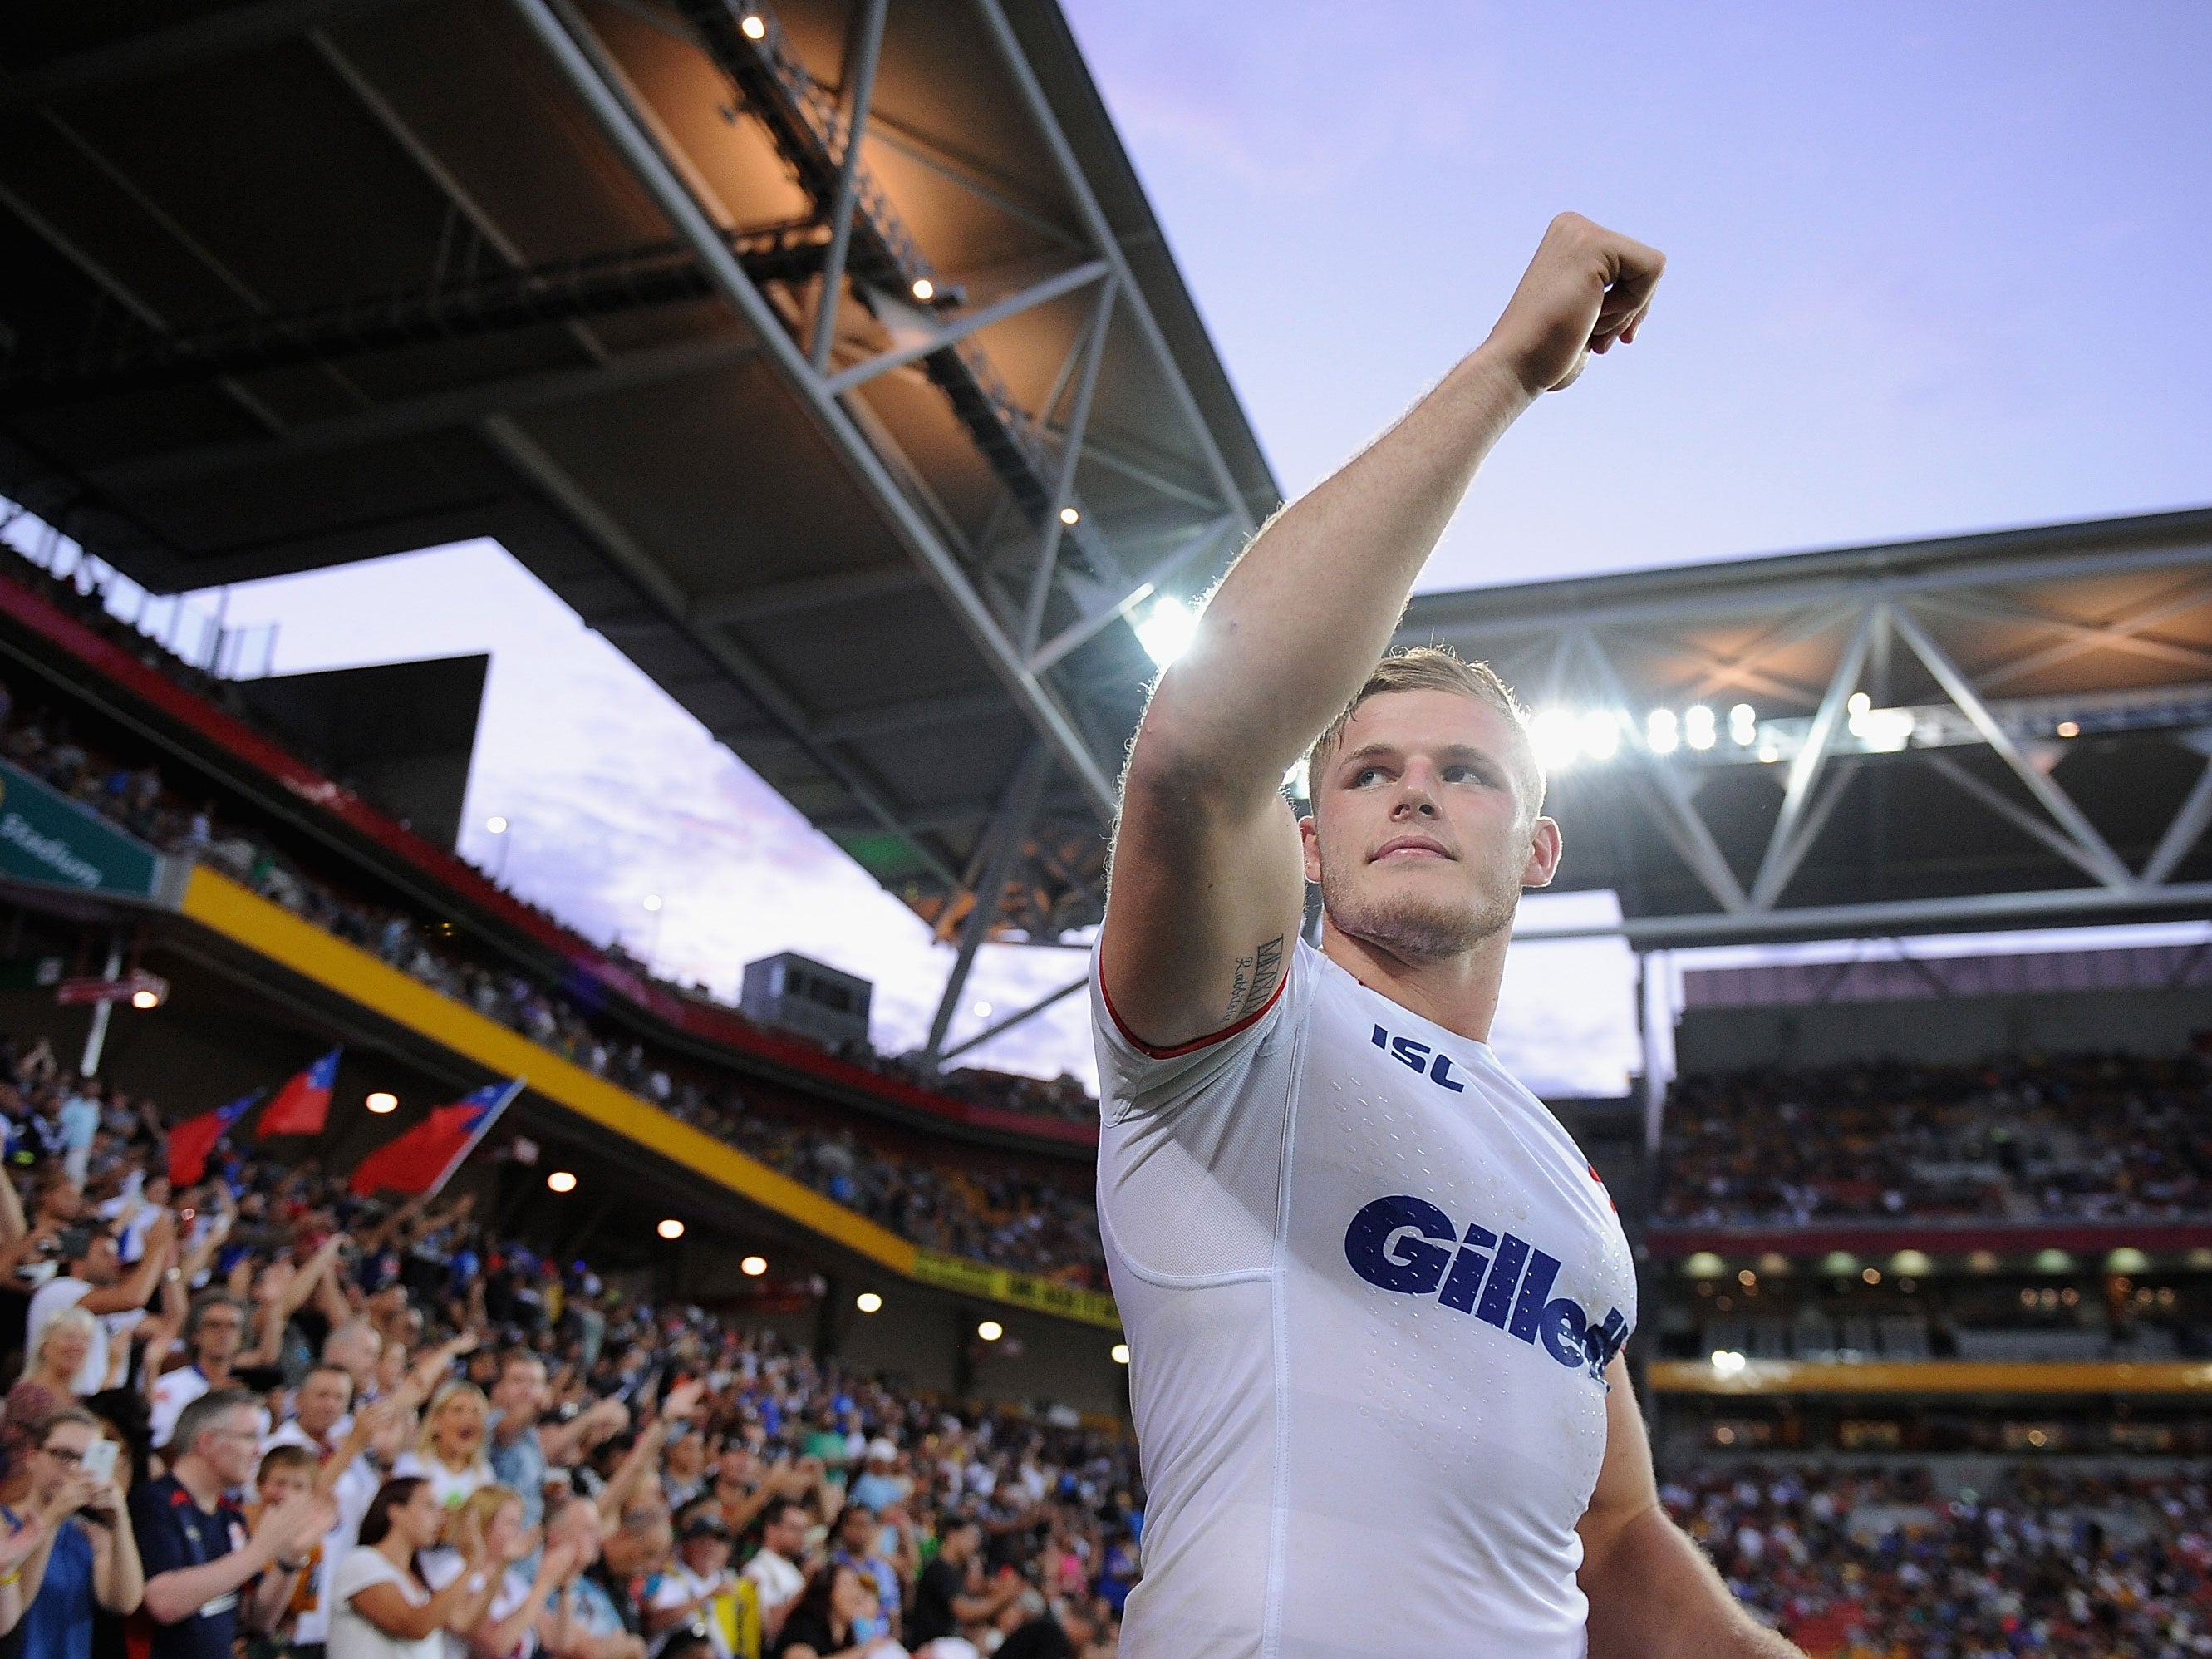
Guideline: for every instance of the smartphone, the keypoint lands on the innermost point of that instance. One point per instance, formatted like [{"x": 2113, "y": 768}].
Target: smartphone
[
  {"x": 100, "y": 1462},
  {"x": 73, "y": 1244}
]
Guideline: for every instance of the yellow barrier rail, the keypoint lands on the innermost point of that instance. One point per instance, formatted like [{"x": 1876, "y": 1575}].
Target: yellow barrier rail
[
  {"x": 270, "y": 931},
  {"x": 1933, "y": 1376}
]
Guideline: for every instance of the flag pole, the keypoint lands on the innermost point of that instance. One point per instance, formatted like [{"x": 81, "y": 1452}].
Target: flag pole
[{"x": 515, "y": 1086}]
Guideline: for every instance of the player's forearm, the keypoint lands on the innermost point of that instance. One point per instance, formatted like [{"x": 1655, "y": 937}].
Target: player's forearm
[
  {"x": 1654, "y": 1595},
  {"x": 1294, "y": 628}
]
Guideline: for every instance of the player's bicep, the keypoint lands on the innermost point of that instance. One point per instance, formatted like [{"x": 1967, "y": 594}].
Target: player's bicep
[{"x": 1204, "y": 908}]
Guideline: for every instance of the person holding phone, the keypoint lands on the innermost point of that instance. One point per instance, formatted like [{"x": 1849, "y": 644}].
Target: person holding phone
[{"x": 89, "y": 1560}]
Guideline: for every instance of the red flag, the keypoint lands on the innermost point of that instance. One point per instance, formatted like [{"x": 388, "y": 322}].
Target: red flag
[
  {"x": 421, "y": 1160},
  {"x": 303, "y": 1104},
  {"x": 191, "y": 1141}
]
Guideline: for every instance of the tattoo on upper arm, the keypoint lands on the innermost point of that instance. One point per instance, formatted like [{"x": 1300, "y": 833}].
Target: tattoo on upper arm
[{"x": 1256, "y": 975}]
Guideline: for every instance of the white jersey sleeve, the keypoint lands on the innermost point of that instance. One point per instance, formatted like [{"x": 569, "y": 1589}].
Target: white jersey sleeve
[{"x": 1191, "y": 1139}]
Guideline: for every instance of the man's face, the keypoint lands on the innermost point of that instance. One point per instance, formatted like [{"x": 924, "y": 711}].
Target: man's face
[
  {"x": 323, "y": 1397},
  {"x": 521, "y": 1393},
  {"x": 230, "y": 1445},
  {"x": 218, "y": 1335},
  {"x": 100, "y": 1266},
  {"x": 787, "y": 1534},
  {"x": 60, "y": 1457},
  {"x": 1423, "y": 831},
  {"x": 856, "y": 1528},
  {"x": 357, "y": 1350},
  {"x": 278, "y": 1484}
]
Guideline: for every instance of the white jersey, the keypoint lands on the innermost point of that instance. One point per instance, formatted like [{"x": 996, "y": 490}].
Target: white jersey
[{"x": 1370, "y": 1287}]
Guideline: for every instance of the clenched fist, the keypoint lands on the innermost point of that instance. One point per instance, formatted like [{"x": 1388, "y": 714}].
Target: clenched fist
[{"x": 1587, "y": 288}]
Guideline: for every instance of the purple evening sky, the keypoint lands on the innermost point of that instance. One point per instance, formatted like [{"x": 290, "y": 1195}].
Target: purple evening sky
[{"x": 1932, "y": 269}]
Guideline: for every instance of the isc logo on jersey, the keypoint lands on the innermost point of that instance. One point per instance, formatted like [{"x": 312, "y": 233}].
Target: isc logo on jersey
[{"x": 1407, "y": 1244}]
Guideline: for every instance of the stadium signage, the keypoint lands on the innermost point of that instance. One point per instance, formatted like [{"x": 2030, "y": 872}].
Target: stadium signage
[
  {"x": 953, "y": 1272},
  {"x": 1406, "y": 1244},
  {"x": 49, "y": 839}
]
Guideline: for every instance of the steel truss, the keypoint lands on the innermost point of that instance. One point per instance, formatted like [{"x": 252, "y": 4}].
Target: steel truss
[{"x": 1879, "y": 620}]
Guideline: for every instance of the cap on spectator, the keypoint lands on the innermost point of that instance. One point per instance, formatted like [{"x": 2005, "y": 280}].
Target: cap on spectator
[
  {"x": 707, "y": 1524},
  {"x": 881, "y": 1450}
]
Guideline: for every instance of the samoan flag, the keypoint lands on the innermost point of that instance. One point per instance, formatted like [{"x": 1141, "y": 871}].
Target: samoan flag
[
  {"x": 424, "y": 1158},
  {"x": 191, "y": 1141},
  {"x": 302, "y": 1106}
]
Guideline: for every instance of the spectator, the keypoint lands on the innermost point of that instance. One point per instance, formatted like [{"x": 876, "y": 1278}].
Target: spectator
[
  {"x": 215, "y": 1331},
  {"x": 836, "y": 1617},
  {"x": 380, "y": 1607},
  {"x": 685, "y": 1593},
  {"x": 87, "y": 1558},
  {"x": 634, "y": 1550},
  {"x": 354, "y": 1348},
  {"x": 775, "y": 1566},
  {"x": 585, "y": 1623},
  {"x": 22, "y": 1532},
  {"x": 1060, "y": 1632},
  {"x": 58, "y": 1361},
  {"x": 948, "y": 1596},
  {"x": 80, "y": 1121},
  {"x": 204, "y": 1565},
  {"x": 450, "y": 1451},
  {"x": 90, "y": 1277},
  {"x": 881, "y": 1487},
  {"x": 522, "y": 1450},
  {"x": 507, "y": 1627},
  {"x": 853, "y": 1539}
]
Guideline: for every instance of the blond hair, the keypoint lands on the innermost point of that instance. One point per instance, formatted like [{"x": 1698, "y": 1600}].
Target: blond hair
[
  {"x": 426, "y": 1441},
  {"x": 1436, "y": 668}
]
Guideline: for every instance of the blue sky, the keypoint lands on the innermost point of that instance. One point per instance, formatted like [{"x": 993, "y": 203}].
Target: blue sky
[{"x": 1931, "y": 270}]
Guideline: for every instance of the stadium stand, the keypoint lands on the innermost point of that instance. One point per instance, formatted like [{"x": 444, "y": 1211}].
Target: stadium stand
[{"x": 675, "y": 1425}]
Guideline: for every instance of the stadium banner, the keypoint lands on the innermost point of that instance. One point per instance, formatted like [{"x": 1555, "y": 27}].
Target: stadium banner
[
  {"x": 953, "y": 1272},
  {"x": 48, "y": 838}
]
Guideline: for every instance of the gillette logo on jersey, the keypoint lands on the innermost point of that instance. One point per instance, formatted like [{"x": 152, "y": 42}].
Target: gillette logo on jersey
[{"x": 1407, "y": 1244}]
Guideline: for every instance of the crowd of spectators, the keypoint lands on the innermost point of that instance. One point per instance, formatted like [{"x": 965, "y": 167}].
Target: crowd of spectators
[
  {"x": 171, "y": 824},
  {"x": 1031, "y": 1222},
  {"x": 1873, "y": 1563},
  {"x": 2026, "y": 1138},
  {"x": 262, "y": 1410}
]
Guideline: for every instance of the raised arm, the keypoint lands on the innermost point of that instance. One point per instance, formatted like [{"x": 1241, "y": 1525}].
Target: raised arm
[{"x": 1208, "y": 878}]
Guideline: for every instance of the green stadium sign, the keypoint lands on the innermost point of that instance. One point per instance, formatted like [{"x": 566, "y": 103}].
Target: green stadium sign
[{"x": 48, "y": 838}]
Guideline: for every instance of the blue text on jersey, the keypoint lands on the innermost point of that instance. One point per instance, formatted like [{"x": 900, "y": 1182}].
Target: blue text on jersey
[{"x": 1408, "y": 1245}]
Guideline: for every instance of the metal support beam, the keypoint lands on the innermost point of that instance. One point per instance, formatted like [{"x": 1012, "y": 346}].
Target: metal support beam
[
  {"x": 2186, "y": 830},
  {"x": 863, "y": 80},
  {"x": 435, "y": 411},
  {"x": 1012, "y": 827},
  {"x": 952, "y": 333},
  {"x": 2079, "y": 638},
  {"x": 1804, "y": 770},
  {"x": 1063, "y": 491},
  {"x": 1832, "y": 785},
  {"x": 804, "y": 593},
  {"x": 1103, "y": 238},
  {"x": 208, "y": 39},
  {"x": 1667, "y": 792},
  {"x": 1008, "y": 1023},
  {"x": 1077, "y": 635},
  {"x": 2026, "y": 822},
  {"x": 2056, "y": 801},
  {"x": 2058, "y": 907},
  {"x": 583, "y": 61}
]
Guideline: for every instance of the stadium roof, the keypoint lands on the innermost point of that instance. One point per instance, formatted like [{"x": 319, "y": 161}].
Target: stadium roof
[
  {"x": 1989, "y": 730},
  {"x": 293, "y": 283}
]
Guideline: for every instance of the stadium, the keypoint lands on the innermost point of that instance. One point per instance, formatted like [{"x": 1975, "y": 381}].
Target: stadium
[{"x": 830, "y": 363}]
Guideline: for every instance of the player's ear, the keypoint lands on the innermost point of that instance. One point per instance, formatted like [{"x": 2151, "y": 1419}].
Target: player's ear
[
  {"x": 1543, "y": 854},
  {"x": 1309, "y": 843}
]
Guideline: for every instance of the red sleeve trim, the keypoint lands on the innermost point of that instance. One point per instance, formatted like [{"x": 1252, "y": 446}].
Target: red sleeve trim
[{"x": 1194, "y": 1046}]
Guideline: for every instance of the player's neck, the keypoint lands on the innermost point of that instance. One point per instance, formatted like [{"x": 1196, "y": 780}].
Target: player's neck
[{"x": 1459, "y": 992}]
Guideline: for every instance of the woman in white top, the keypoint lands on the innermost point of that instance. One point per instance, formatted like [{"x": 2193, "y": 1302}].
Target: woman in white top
[
  {"x": 380, "y": 1608},
  {"x": 507, "y": 1628},
  {"x": 451, "y": 1452}
]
